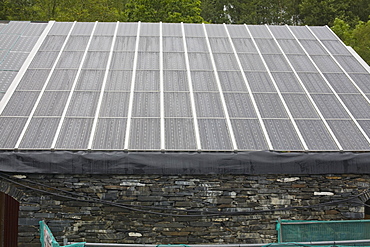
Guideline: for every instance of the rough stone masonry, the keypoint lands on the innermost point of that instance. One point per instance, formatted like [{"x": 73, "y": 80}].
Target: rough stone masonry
[{"x": 82, "y": 217}]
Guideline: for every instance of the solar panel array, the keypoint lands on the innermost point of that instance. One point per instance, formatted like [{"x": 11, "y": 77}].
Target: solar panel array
[{"x": 184, "y": 87}]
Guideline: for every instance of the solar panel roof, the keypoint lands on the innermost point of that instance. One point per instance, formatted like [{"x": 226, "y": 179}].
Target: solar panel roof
[{"x": 180, "y": 87}]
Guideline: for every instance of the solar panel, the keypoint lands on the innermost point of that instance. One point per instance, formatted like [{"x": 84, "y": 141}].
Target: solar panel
[{"x": 180, "y": 87}]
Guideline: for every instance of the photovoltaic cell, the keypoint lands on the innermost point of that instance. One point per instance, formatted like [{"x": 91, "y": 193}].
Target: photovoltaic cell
[
  {"x": 220, "y": 45},
  {"x": 281, "y": 134},
  {"x": 174, "y": 61},
  {"x": 239, "y": 105},
  {"x": 62, "y": 79},
  {"x": 213, "y": 134},
  {"x": 323, "y": 33},
  {"x": 125, "y": 43},
  {"x": 330, "y": 106},
  {"x": 349, "y": 135},
  {"x": 200, "y": 61},
  {"x": 96, "y": 60},
  {"x": 216, "y": 30},
  {"x": 276, "y": 63},
  {"x": 313, "y": 47},
  {"x": 146, "y": 105},
  {"x": 225, "y": 61},
  {"x": 172, "y": 29},
  {"x": 204, "y": 81},
  {"x": 268, "y": 46},
  {"x": 21, "y": 103},
  {"x": 270, "y": 105},
  {"x": 114, "y": 105},
  {"x": 101, "y": 43},
  {"x": 238, "y": 31},
  {"x": 244, "y": 45},
  {"x": 40, "y": 133},
  {"x": 195, "y": 44},
  {"x": 90, "y": 79},
  {"x": 24, "y": 44},
  {"x": 341, "y": 83},
  {"x": 232, "y": 81},
  {"x": 147, "y": 80},
  {"x": 33, "y": 79},
  {"x": 316, "y": 135},
  {"x": 281, "y": 32},
  {"x": 251, "y": 62},
  {"x": 145, "y": 133},
  {"x": 83, "y": 104},
  {"x": 177, "y": 105},
  {"x": 300, "y": 106},
  {"x": 350, "y": 64},
  {"x": 362, "y": 80},
  {"x": 287, "y": 82},
  {"x": 301, "y": 63},
  {"x": 10, "y": 129},
  {"x": 179, "y": 134},
  {"x": 290, "y": 46},
  {"x": 6, "y": 78},
  {"x": 357, "y": 104},
  {"x": 175, "y": 80},
  {"x": 248, "y": 134},
  {"x": 326, "y": 64},
  {"x": 148, "y": 60},
  {"x": 104, "y": 28},
  {"x": 119, "y": 80},
  {"x": 122, "y": 60},
  {"x": 52, "y": 103},
  {"x": 75, "y": 133},
  {"x": 13, "y": 61},
  {"x": 109, "y": 134},
  {"x": 53, "y": 43},
  {"x": 208, "y": 105},
  {"x": 260, "y": 82},
  {"x": 173, "y": 44},
  {"x": 127, "y": 29},
  {"x": 83, "y": 28},
  {"x": 314, "y": 83},
  {"x": 336, "y": 47},
  {"x": 149, "y": 44},
  {"x": 259, "y": 31}
]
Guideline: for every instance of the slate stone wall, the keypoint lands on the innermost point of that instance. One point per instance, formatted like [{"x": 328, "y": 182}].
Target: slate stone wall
[{"x": 257, "y": 199}]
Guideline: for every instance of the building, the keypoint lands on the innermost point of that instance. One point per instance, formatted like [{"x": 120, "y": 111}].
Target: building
[{"x": 179, "y": 133}]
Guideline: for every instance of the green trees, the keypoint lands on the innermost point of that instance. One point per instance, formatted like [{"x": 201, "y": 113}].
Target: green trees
[{"x": 164, "y": 10}]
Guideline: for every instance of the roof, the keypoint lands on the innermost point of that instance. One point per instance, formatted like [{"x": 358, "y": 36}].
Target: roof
[{"x": 176, "y": 87}]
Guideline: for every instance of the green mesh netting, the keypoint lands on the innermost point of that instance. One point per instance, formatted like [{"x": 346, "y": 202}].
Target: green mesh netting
[
  {"x": 47, "y": 239},
  {"x": 314, "y": 231}
]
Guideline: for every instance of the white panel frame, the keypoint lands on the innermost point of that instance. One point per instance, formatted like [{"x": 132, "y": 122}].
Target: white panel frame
[
  {"x": 131, "y": 100},
  {"x": 44, "y": 87},
  {"x": 98, "y": 107},
  {"x": 303, "y": 142},
  {"x": 267, "y": 138},
  {"x": 24, "y": 67},
  {"x": 329, "y": 85},
  {"x": 191, "y": 90},
  {"x": 223, "y": 102},
  {"x": 72, "y": 89},
  {"x": 161, "y": 87},
  {"x": 307, "y": 93}
]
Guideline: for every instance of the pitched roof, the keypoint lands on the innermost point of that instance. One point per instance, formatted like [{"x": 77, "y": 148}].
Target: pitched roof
[{"x": 180, "y": 87}]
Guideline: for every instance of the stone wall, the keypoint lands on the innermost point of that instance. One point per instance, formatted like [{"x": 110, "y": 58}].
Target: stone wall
[{"x": 81, "y": 217}]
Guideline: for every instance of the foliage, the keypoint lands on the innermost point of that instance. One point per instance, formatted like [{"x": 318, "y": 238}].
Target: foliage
[
  {"x": 358, "y": 38},
  {"x": 164, "y": 10}
]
